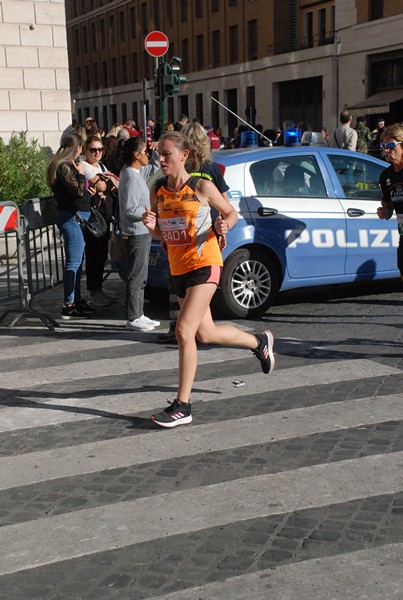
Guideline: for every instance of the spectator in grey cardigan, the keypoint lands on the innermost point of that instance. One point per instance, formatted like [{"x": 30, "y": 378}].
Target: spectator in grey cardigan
[
  {"x": 134, "y": 196},
  {"x": 344, "y": 136}
]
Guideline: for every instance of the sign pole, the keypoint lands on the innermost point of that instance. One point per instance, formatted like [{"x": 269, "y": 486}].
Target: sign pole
[
  {"x": 162, "y": 98},
  {"x": 145, "y": 109}
]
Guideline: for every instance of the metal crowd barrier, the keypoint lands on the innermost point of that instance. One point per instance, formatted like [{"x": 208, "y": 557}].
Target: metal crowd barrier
[
  {"x": 43, "y": 245},
  {"x": 36, "y": 260}
]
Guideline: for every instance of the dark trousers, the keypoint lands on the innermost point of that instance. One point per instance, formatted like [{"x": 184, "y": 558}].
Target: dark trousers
[
  {"x": 96, "y": 253},
  {"x": 138, "y": 251},
  {"x": 173, "y": 301}
]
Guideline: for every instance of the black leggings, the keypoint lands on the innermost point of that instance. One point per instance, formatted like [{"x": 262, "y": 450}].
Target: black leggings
[{"x": 96, "y": 254}]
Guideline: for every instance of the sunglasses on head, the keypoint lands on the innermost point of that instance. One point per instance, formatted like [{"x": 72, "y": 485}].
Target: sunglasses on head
[
  {"x": 389, "y": 145},
  {"x": 94, "y": 150}
]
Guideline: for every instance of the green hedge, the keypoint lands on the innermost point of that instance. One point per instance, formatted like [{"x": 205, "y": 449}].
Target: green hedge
[{"x": 23, "y": 165}]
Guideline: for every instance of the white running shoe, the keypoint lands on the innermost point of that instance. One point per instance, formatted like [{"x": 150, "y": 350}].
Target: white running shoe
[
  {"x": 140, "y": 324},
  {"x": 151, "y": 321}
]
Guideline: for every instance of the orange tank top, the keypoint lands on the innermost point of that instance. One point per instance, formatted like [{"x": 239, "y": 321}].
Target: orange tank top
[{"x": 185, "y": 224}]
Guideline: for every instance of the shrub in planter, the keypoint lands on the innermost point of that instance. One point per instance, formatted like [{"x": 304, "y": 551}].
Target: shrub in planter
[{"x": 23, "y": 165}]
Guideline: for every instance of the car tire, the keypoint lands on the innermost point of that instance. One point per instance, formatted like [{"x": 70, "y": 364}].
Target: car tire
[{"x": 249, "y": 284}]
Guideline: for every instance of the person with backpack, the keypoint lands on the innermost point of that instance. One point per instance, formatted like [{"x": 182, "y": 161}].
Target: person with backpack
[
  {"x": 200, "y": 163},
  {"x": 180, "y": 217}
]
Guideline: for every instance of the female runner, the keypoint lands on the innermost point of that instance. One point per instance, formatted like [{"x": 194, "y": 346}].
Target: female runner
[{"x": 180, "y": 216}]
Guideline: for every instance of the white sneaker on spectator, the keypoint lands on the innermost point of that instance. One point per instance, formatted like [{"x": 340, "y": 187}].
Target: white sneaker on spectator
[
  {"x": 99, "y": 299},
  {"x": 139, "y": 324},
  {"x": 151, "y": 321}
]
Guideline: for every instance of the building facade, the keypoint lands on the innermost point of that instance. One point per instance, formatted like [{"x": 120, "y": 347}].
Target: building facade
[
  {"x": 264, "y": 60},
  {"x": 34, "y": 76}
]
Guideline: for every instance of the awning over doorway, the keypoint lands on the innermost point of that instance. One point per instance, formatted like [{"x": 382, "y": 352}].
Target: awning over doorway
[{"x": 378, "y": 103}]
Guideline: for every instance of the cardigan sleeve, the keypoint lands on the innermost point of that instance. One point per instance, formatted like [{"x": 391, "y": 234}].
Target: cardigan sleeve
[{"x": 134, "y": 195}]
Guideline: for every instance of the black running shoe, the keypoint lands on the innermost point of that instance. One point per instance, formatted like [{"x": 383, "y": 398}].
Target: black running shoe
[
  {"x": 168, "y": 337},
  {"x": 85, "y": 309},
  {"x": 177, "y": 413},
  {"x": 264, "y": 351},
  {"x": 71, "y": 312}
]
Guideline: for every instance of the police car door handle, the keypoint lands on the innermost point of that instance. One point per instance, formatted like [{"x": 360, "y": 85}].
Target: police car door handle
[
  {"x": 266, "y": 211},
  {"x": 355, "y": 212}
]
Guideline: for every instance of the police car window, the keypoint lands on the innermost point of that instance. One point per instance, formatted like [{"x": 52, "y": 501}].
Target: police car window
[
  {"x": 358, "y": 177},
  {"x": 288, "y": 176}
]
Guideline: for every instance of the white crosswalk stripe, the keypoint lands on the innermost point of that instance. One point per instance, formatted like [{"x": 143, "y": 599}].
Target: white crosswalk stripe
[
  {"x": 208, "y": 391},
  {"x": 40, "y": 541},
  {"x": 353, "y": 575},
  {"x": 42, "y": 466},
  {"x": 88, "y": 531}
]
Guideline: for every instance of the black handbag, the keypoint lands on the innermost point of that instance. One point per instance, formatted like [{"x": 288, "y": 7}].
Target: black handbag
[{"x": 96, "y": 224}]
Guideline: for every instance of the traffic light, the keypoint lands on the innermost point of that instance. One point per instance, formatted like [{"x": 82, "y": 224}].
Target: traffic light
[
  {"x": 167, "y": 78},
  {"x": 172, "y": 78},
  {"x": 177, "y": 78}
]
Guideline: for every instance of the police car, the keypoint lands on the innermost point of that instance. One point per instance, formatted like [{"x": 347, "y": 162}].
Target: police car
[{"x": 307, "y": 217}]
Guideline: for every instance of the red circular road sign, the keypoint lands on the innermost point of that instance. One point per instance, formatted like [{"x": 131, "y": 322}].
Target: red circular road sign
[{"x": 156, "y": 43}]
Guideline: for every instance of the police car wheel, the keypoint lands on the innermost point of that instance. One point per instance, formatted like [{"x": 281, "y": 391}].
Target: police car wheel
[{"x": 249, "y": 284}]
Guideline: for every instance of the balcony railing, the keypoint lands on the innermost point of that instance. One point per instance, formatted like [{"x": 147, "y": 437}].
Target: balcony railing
[{"x": 301, "y": 44}]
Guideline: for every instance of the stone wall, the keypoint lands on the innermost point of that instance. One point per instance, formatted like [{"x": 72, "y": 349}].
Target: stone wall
[{"x": 34, "y": 77}]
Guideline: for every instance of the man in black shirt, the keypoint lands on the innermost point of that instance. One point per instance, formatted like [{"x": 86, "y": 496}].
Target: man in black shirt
[
  {"x": 183, "y": 120},
  {"x": 391, "y": 182}
]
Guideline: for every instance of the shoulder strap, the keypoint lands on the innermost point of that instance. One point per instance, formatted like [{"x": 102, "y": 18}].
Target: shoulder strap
[
  {"x": 191, "y": 182},
  {"x": 336, "y": 140},
  {"x": 194, "y": 180},
  {"x": 160, "y": 183},
  {"x": 201, "y": 175}
]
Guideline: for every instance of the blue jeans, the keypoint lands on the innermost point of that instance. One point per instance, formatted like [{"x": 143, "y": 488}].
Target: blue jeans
[{"x": 74, "y": 245}]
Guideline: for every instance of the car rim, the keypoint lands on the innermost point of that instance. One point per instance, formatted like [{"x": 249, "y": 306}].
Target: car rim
[{"x": 251, "y": 284}]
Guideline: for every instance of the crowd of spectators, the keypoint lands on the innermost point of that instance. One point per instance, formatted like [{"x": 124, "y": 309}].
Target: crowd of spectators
[{"x": 85, "y": 174}]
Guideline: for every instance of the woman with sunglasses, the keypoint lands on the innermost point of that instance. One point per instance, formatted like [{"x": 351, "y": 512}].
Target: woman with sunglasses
[
  {"x": 391, "y": 182},
  {"x": 96, "y": 249},
  {"x": 65, "y": 177}
]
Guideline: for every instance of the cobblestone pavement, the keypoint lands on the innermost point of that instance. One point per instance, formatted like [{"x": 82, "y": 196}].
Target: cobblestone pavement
[{"x": 288, "y": 487}]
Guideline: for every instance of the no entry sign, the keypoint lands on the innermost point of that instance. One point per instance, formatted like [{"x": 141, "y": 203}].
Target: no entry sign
[{"x": 156, "y": 43}]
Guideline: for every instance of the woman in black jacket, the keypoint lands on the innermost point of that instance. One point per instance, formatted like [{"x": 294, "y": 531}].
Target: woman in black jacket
[{"x": 65, "y": 176}]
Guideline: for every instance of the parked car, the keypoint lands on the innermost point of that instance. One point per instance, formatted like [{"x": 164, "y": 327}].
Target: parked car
[{"x": 307, "y": 217}]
